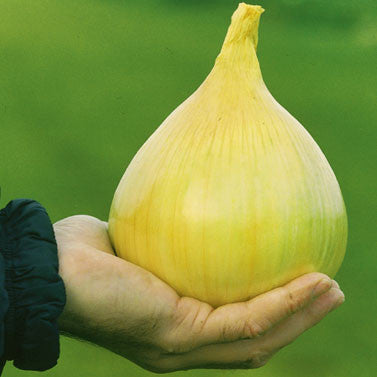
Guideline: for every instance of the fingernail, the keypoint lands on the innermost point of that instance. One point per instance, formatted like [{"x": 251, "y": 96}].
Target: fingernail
[
  {"x": 339, "y": 301},
  {"x": 323, "y": 286},
  {"x": 335, "y": 284}
]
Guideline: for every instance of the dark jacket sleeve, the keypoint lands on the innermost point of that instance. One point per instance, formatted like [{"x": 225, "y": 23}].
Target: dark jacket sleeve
[{"x": 32, "y": 293}]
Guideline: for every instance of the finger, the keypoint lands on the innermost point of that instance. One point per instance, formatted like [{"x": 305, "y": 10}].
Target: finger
[
  {"x": 252, "y": 318},
  {"x": 242, "y": 354},
  {"x": 289, "y": 330},
  {"x": 254, "y": 353}
]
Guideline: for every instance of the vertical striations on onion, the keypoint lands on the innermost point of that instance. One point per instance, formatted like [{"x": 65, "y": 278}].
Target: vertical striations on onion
[{"x": 230, "y": 196}]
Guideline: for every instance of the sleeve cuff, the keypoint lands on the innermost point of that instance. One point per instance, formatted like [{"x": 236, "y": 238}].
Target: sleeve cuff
[{"x": 35, "y": 290}]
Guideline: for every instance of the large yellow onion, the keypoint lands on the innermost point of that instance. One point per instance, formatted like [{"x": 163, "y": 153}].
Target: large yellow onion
[{"x": 230, "y": 196}]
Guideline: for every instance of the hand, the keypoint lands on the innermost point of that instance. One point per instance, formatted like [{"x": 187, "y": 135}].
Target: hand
[{"x": 128, "y": 310}]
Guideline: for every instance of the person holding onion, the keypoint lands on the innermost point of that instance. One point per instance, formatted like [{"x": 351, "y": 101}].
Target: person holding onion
[{"x": 65, "y": 278}]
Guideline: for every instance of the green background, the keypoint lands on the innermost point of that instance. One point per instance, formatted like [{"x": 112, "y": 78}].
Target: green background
[{"x": 84, "y": 83}]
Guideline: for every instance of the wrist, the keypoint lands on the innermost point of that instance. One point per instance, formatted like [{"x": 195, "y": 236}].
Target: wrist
[{"x": 92, "y": 308}]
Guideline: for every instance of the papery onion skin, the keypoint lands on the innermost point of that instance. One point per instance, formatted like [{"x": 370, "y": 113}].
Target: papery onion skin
[{"x": 230, "y": 196}]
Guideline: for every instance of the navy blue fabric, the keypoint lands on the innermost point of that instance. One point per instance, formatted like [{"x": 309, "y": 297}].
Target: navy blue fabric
[
  {"x": 32, "y": 294},
  {"x": 4, "y": 305}
]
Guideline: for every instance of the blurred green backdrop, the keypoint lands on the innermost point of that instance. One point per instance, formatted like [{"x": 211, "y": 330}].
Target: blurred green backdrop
[{"x": 83, "y": 83}]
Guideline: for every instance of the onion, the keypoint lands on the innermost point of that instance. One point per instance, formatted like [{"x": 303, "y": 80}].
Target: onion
[{"x": 230, "y": 196}]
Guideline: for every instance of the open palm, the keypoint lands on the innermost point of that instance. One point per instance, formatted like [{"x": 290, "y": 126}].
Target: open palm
[{"x": 128, "y": 310}]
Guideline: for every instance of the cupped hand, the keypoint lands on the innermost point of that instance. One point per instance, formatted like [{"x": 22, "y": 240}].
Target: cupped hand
[{"x": 128, "y": 310}]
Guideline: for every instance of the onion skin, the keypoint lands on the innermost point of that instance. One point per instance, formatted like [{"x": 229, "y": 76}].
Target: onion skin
[{"x": 230, "y": 197}]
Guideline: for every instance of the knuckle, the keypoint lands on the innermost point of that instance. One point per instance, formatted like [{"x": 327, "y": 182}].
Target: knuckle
[
  {"x": 230, "y": 331},
  {"x": 184, "y": 327},
  {"x": 292, "y": 301},
  {"x": 252, "y": 329},
  {"x": 174, "y": 345},
  {"x": 152, "y": 360},
  {"x": 168, "y": 346},
  {"x": 242, "y": 329},
  {"x": 226, "y": 332},
  {"x": 164, "y": 365},
  {"x": 257, "y": 360}
]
